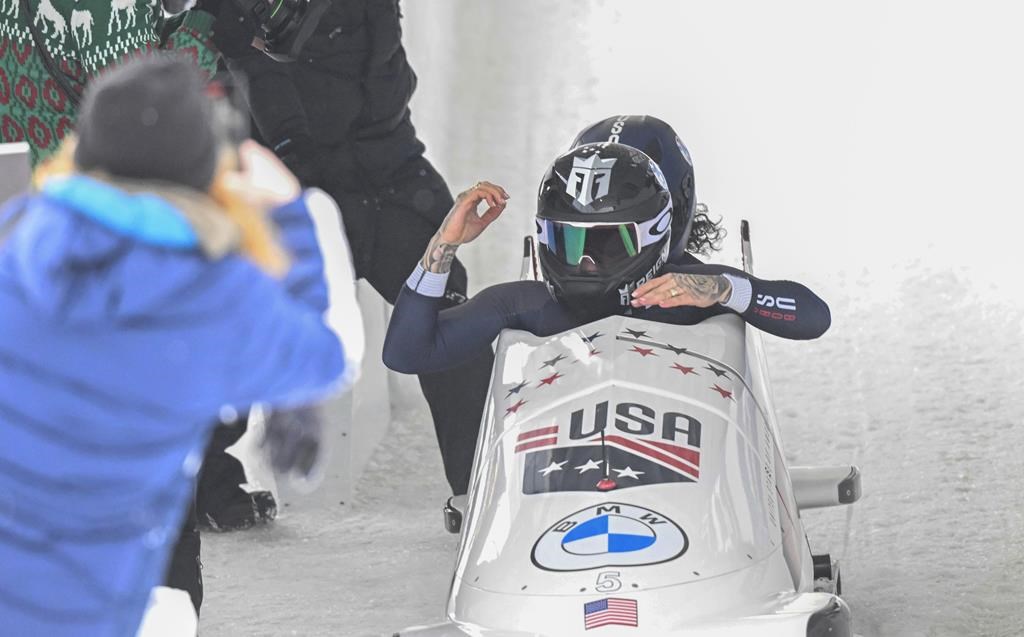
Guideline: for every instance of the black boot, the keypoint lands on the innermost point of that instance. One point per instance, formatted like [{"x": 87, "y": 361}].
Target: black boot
[{"x": 221, "y": 503}]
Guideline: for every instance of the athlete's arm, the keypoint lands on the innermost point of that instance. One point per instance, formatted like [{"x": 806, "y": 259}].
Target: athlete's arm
[
  {"x": 423, "y": 336},
  {"x": 463, "y": 224},
  {"x": 420, "y": 336},
  {"x": 783, "y": 308}
]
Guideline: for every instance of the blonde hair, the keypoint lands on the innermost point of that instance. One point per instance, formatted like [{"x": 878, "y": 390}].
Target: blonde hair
[
  {"x": 59, "y": 164},
  {"x": 258, "y": 241}
]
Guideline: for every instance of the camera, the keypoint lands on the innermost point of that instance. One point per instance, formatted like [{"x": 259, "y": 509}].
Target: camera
[{"x": 284, "y": 25}]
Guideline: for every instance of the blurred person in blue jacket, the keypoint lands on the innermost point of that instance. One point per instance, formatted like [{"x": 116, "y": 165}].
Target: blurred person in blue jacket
[{"x": 158, "y": 277}]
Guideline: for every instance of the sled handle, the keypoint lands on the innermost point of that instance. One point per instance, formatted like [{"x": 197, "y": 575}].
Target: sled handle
[
  {"x": 748, "y": 257},
  {"x": 530, "y": 270}
]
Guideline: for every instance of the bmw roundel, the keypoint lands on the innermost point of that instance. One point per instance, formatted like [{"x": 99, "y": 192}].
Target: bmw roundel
[
  {"x": 611, "y": 534},
  {"x": 608, "y": 533}
]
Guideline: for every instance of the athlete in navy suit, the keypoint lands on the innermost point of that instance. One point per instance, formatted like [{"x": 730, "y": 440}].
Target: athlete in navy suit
[{"x": 606, "y": 218}]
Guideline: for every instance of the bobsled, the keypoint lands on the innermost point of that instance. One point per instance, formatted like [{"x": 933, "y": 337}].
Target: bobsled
[{"x": 630, "y": 479}]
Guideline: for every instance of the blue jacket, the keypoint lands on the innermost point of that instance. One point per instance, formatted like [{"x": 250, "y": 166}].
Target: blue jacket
[{"x": 119, "y": 345}]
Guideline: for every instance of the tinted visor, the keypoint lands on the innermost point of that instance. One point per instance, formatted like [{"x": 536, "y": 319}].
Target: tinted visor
[{"x": 602, "y": 245}]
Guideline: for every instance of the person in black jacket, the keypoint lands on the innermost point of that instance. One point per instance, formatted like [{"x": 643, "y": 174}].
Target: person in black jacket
[{"x": 339, "y": 117}]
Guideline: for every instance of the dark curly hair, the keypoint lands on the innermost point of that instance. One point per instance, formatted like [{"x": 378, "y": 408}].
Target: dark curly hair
[{"x": 705, "y": 235}]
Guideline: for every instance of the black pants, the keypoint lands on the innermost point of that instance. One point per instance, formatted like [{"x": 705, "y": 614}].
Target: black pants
[
  {"x": 217, "y": 487},
  {"x": 219, "y": 482},
  {"x": 185, "y": 571},
  {"x": 388, "y": 231}
]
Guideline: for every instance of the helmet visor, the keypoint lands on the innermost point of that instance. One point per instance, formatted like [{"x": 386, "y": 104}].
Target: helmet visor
[
  {"x": 592, "y": 245},
  {"x": 600, "y": 245}
]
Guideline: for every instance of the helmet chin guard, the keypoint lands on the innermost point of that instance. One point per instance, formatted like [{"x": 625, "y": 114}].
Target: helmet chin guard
[{"x": 600, "y": 295}]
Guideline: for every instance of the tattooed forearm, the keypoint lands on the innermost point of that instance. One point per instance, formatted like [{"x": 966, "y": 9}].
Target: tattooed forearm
[
  {"x": 439, "y": 255},
  {"x": 704, "y": 287}
]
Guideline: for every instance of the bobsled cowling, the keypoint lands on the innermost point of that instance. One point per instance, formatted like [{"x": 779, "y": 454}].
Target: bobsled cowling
[{"x": 629, "y": 480}]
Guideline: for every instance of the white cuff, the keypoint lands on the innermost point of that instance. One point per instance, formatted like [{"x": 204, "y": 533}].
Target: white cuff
[
  {"x": 427, "y": 283},
  {"x": 739, "y": 300}
]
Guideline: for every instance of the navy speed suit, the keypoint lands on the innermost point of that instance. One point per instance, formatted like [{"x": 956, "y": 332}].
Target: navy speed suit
[{"x": 423, "y": 337}]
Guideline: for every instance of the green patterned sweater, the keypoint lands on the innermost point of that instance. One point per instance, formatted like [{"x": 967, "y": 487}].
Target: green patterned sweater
[{"x": 83, "y": 37}]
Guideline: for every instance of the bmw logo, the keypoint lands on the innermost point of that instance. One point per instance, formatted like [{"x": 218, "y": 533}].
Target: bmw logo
[
  {"x": 611, "y": 534},
  {"x": 608, "y": 534}
]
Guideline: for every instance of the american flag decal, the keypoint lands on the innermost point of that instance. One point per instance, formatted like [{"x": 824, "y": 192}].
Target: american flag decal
[{"x": 608, "y": 612}]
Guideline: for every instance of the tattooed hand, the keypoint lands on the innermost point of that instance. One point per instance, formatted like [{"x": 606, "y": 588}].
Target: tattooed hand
[
  {"x": 462, "y": 224},
  {"x": 673, "y": 290}
]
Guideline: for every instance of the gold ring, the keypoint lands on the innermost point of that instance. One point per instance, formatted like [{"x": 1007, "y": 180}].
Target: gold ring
[{"x": 673, "y": 291}]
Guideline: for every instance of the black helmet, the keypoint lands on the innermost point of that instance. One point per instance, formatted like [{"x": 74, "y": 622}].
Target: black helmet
[
  {"x": 603, "y": 218},
  {"x": 660, "y": 142}
]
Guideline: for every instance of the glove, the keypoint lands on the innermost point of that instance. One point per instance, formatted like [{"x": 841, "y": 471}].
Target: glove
[
  {"x": 303, "y": 158},
  {"x": 294, "y": 439}
]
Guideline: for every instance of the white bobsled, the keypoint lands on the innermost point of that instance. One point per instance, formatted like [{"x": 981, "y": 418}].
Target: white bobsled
[{"x": 629, "y": 480}]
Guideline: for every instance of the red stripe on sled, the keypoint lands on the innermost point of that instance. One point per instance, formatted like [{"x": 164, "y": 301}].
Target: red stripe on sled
[
  {"x": 653, "y": 453},
  {"x": 689, "y": 455},
  {"x": 533, "y": 444},
  {"x": 543, "y": 431}
]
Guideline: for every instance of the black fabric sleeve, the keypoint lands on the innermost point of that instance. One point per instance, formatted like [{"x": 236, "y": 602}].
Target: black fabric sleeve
[
  {"x": 784, "y": 308},
  {"x": 274, "y": 101},
  {"x": 423, "y": 337}
]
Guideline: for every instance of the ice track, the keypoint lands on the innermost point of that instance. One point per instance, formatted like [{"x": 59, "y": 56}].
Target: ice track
[{"x": 930, "y": 410}]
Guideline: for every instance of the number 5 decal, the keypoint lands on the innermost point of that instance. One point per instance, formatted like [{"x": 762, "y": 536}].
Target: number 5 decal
[{"x": 608, "y": 581}]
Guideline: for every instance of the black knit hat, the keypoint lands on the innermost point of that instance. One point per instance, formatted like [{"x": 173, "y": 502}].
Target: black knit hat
[{"x": 149, "y": 119}]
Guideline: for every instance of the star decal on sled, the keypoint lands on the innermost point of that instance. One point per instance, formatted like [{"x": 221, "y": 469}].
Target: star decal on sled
[
  {"x": 517, "y": 388},
  {"x": 554, "y": 361},
  {"x": 643, "y": 351},
  {"x": 590, "y": 464},
  {"x": 514, "y": 408},
  {"x": 637, "y": 333},
  {"x": 550, "y": 379},
  {"x": 677, "y": 350},
  {"x": 593, "y": 337},
  {"x": 684, "y": 369},
  {"x": 718, "y": 372},
  {"x": 628, "y": 473},
  {"x": 622, "y": 460},
  {"x": 724, "y": 392},
  {"x": 554, "y": 466}
]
